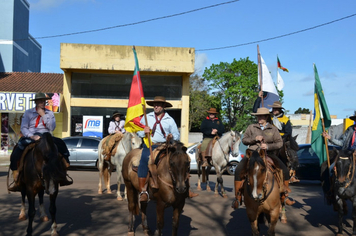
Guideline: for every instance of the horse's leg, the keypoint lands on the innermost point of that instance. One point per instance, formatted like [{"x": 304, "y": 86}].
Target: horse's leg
[
  {"x": 145, "y": 227},
  {"x": 177, "y": 211},
  {"x": 107, "y": 175},
  {"x": 119, "y": 176},
  {"x": 43, "y": 215},
  {"x": 274, "y": 215},
  {"x": 53, "y": 210},
  {"x": 132, "y": 198},
  {"x": 339, "y": 203},
  {"x": 22, "y": 215},
  {"x": 31, "y": 210},
  {"x": 254, "y": 227},
  {"x": 207, "y": 171},
  {"x": 199, "y": 172},
  {"x": 354, "y": 215},
  {"x": 283, "y": 212},
  {"x": 160, "y": 217},
  {"x": 100, "y": 167}
]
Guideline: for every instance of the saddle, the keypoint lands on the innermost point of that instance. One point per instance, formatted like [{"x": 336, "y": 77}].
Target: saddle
[
  {"x": 109, "y": 145},
  {"x": 277, "y": 173},
  {"x": 206, "y": 156}
]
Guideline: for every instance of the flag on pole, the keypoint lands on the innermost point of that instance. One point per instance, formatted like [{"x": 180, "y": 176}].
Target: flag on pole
[
  {"x": 321, "y": 113},
  {"x": 137, "y": 103},
  {"x": 268, "y": 86},
  {"x": 280, "y": 82},
  {"x": 280, "y": 66}
]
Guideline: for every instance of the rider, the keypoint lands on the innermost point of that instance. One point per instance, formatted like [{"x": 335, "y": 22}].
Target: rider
[
  {"x": 36, "y": 121},
  {"x": 210, "y": 127},
  {"x": 160, "y": 126},
  {"x": 282, "y": 122},
  {"x": 116, "y": 125},
  {"x": 265, "y": 136}
]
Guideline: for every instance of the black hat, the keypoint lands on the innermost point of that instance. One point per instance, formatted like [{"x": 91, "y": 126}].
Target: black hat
[
  {"x": 40, "y": 96},
  {"x": 115, "y": 113}
]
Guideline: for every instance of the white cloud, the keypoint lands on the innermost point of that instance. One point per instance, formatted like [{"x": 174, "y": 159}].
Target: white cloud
[
  {"x": 201, "y": 59},
  {"x": 48, "y": 4}
]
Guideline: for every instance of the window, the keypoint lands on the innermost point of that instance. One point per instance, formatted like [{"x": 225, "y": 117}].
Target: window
[
  {"x": 71, "y": 143},
  {"x": 90, "y": 143}
]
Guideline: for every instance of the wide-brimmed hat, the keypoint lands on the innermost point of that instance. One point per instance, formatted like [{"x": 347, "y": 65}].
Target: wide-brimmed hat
[
  {"x": 213, "y": 111},
  {"x": 159, "y": 99},
  {"x": 261, "y": 112},
  {"x": 40, "y": 96},
  {"x": 353, "y": 117},
  {"x": 276, "y": 104},
  {"x": 115, "y": 113}
]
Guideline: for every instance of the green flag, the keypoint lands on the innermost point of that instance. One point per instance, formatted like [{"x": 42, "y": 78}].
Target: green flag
[{"x": 321, "y": 111}]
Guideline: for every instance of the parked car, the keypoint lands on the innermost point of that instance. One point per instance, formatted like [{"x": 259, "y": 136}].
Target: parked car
[
  {"x": 83, "y": 151},
  {"x": 233, "y": 161},
  {"x": 309, "y": 165}
]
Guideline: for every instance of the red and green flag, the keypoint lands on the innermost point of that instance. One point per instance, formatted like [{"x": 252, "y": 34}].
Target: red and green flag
[
  {"x": 280, "y": 66},
  {"x": 137, "y": 103}
]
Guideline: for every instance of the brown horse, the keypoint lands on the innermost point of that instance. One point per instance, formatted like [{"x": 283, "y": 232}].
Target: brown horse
[
  {"x": 173, "y": 173},
  {"x": 42, "y": 168},
  {"x": 288, "y": 154},
  {"x": 261, "y": 191}
]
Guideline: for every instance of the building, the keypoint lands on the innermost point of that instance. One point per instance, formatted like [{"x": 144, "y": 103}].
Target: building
[{"x": 19, "y": 51}]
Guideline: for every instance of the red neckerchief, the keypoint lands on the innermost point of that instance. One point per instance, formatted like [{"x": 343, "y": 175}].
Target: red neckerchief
[
  {"x": 158, "y": 122},
  {"x": 38, "y": 120},
  {"x": 211, "y": 119},
  {"x": 353, "y": 137}
]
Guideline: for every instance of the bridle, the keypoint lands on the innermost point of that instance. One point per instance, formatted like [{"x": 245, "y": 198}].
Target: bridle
[{"x": 348, "y": 180}]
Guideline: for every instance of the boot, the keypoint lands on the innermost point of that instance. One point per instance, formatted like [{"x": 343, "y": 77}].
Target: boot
[
  {"x": 294, "y": 179},
  {"x": 192, "y": 194},
  {"x": 64, "y": 181},
  {"x": 238, "y": 201},
  {"x": 142, "y": 186},
  {"x": 286, "y": 191},
  {"x": 16, "y": 186}
]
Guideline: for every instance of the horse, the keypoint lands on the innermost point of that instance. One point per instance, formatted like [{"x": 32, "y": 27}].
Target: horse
[
  {"x": 220, "y": 159},
  {"x": 345, "y": 186},
  {"x": 126, "y": 144},
  {"x": 288, "y": 154},
  {"x": 261, "y": 191},
  {"x": 173, "y": 185},
  {"x": 42, "y": 169}
]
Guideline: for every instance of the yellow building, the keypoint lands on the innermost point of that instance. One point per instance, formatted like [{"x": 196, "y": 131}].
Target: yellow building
[{"x": 97, "y": 81}]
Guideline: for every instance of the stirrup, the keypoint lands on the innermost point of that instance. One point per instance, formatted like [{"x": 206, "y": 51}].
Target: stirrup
[{"x": 144, "y": 192}]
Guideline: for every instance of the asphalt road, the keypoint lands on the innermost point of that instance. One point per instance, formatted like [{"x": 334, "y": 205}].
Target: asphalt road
[{"x": 81, "y": 211}]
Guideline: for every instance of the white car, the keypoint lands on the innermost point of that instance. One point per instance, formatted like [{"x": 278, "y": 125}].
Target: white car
[{"x": 233, "y": 161}]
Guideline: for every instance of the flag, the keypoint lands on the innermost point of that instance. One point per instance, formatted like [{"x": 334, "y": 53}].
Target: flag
[
  {"x": 280, "y": 66},
  {"x": 321, "y": 111},
  {"x": 136, "y": 104},
  {"x": 271, "y": 94},
  {"x": 280, "y": 82}
]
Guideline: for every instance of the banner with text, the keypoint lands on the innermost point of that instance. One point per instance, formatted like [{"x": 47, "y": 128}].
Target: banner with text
[{"x": 93, "y": 126}]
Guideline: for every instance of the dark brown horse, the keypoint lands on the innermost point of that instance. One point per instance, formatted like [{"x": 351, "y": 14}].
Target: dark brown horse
[
  {"x": 261, "y": 191},
  {"x": 288, "y": 153},
  {"x": 173, "y": 182},
  {"x": 41, "y": 170}
]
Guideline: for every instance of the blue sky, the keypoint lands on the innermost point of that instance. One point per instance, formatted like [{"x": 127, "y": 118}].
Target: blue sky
[{"x": 330, "y": 47}]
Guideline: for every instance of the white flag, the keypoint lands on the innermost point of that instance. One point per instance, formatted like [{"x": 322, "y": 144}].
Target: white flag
[
  {"x": 268, "y": 86},
  {"x": 280, "y": 82}
]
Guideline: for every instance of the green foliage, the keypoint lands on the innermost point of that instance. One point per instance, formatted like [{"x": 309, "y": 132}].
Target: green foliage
[
  {"x": 302, "y": 111},
  {"x": 235, "y": 86}
]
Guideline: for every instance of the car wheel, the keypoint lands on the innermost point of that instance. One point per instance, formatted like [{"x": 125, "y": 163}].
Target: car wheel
[{"x": 231, "y": 168}]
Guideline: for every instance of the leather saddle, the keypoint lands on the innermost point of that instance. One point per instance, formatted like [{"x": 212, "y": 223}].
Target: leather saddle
[{"x": 109, "y": 145}]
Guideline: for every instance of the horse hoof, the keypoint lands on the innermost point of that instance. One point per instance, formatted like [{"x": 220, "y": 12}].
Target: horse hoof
[
  {"x": 119, "y": 198},
  {"x": 131, "y": 234},
  {"x": 100, "y": 192},
  {"x": 284, "y": 221},
  {"x": 22, "y": 217},
  {"x": 199, "y": 188},
  {"x": 208, "y": 189},
  {"x": 224, "y": 196},
  {"x": 44, "y": 218},
  {"x": 109, "y": 191}
]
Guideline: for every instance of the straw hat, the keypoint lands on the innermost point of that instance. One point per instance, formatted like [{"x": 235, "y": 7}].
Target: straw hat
[
  {"x": 261, "y": 112},
  {"x": 40, "y": 96},
  {"x": 276, "y": 104},
  {"x": 115, "y": 113},
  {"x": 159, "y": 99},
  {"x": 213, "y": 111}
]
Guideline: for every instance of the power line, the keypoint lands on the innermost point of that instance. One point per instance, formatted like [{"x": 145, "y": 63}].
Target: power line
[
  {"x": 139, "y": 22},
  {"x": 276, "y": 37}
]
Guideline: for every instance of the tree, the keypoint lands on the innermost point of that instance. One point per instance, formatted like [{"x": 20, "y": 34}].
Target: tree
[
  {"x": 302, "y": 111},
  {"x": 235, "y": 86},
  {"x": 200, "y": 101}
]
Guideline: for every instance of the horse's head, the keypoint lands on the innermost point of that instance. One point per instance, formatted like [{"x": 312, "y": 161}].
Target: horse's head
[
  {"x": 344, "y": 165},
  {"x": 136, "y": 141},
  {"x": 179, "y": 167},
  {"x": 234, "y": 143},
  {"x": 256, "y": 172}
]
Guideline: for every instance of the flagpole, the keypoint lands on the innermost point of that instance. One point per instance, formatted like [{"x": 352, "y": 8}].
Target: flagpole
[
  {"x": 326, "y": 143},
  {"x": 144, "y": 114},
  {"x": 260, "y": 67}
]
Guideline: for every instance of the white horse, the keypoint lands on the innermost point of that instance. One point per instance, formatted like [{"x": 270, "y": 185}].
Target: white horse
[
  {"x": 128, "y": 142},
  {"x": 220, "y": 158}
]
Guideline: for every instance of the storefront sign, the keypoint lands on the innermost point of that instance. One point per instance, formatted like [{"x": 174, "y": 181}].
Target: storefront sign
[
  {"x": 20, "y": 102},
  {"x": 93, "y": 126}
]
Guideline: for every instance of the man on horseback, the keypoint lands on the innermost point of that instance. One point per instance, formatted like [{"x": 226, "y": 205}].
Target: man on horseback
[
  {"x": 265, "y": 136},
  {"x": 36, "y": 121},
  {"x": 160, "y": 126},
  {"x": 210, "y": 127}
]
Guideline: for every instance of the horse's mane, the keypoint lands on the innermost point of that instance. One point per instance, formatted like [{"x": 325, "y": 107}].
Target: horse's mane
[{"x": 255, "y": 157}]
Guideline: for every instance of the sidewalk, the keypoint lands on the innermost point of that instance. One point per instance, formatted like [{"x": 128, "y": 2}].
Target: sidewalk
[{"x": 4, "y": 159}]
